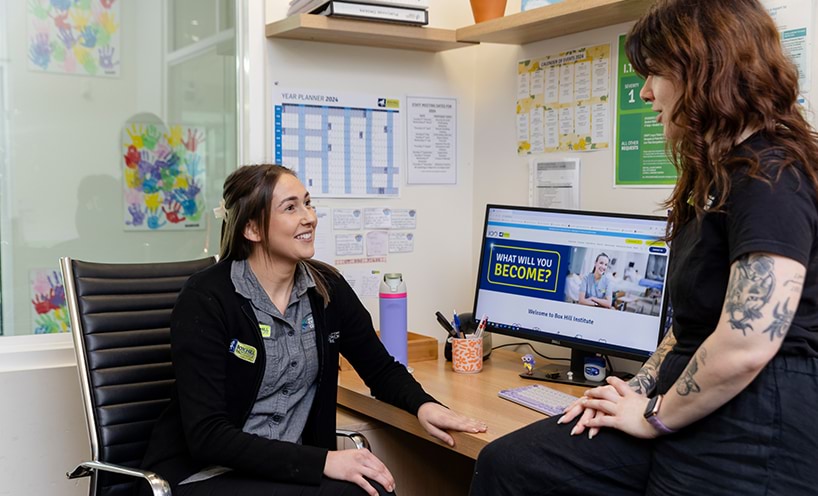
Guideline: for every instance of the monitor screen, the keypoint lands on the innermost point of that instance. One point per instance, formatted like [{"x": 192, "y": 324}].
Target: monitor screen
[{"x": 590, "y": 281}]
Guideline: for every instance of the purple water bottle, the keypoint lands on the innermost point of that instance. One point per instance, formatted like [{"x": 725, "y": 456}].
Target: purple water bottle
[{"x": 393, "y": 316}]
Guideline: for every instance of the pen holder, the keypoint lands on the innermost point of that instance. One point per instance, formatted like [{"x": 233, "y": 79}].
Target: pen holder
[
  {"x": 467, "y": 355},
  {"x": 468, "y": 326}
]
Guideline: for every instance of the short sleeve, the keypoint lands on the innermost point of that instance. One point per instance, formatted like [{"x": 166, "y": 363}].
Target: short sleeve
[{"x": 777, "y": 217}]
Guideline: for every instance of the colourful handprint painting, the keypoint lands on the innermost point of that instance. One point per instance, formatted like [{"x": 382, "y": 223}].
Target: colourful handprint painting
[
  {"x": 74, "y": 37},
  {"x": 49, "y": 311},
  {"x": 164, "y": 172}
]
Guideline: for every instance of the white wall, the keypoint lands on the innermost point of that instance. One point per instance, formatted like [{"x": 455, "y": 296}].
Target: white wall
[{"x": 42, "y": 433}]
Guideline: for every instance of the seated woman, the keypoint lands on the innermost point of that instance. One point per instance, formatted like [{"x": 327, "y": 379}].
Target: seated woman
[
  {"x": 725, "y": 404},
  {"x": 595, "y": 290},
  {"x": 255, "y": 341}
]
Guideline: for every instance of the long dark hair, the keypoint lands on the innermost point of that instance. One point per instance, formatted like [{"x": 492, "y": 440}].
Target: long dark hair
[
  {"x": 726, "y": 58},
  {"x": 248, "y": 197}
]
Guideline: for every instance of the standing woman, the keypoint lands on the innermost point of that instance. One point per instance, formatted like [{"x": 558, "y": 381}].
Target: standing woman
[
  {"x": 255, "y": 341},
  {"x": 595, "y": 290},
  {"x": 726, "y": 403}
]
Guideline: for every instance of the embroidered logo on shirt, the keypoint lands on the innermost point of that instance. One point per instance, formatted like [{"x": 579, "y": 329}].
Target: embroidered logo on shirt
[
  {"x": 307, "y": 324},
  {"x": 243, "y": 351},
  {"x": 266, "y": 331},
  {"x": 333, "y": 336}
]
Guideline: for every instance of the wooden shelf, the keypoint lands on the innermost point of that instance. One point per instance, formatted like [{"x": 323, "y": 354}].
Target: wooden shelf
[
  {"x": 570, "y": 16},
  {"x": 373, "y": 34}
]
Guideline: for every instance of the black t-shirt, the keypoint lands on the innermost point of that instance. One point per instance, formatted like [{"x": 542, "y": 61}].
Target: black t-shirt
[{"x": 780, "y": 218}]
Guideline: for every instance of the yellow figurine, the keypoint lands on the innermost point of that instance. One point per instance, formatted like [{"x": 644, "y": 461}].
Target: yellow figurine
[{"x": 528, "y": 363}]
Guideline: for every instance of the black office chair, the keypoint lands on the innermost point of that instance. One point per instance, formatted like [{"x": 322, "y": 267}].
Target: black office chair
[{"x": 120, "y": 321}]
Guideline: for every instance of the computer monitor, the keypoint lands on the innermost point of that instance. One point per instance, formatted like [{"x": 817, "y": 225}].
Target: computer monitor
[{"x": 590, "y": 281}]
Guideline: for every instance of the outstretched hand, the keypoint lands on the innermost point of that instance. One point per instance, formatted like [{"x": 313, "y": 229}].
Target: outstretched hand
[
  {"x": 356, "y": 465},
  {"x": 437, "y": 419}
]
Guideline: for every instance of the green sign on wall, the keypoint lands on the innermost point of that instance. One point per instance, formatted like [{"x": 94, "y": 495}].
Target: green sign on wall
[{"x": 640, "y": 142}]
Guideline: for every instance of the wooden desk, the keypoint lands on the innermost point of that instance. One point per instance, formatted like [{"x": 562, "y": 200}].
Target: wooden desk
[{"x": 474, "y": 395}]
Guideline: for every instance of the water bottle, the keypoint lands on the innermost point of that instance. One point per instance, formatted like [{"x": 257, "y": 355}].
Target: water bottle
[{"x": 393, "y": 316}]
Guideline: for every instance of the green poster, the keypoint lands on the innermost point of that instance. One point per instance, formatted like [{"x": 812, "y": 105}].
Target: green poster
[{"x": 640, "y": 142}]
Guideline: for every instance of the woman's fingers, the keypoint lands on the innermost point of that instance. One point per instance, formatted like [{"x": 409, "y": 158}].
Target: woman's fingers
[
  {"x": 587, "y": 415},
  {"x": 593, "y": 431},
  {"x": 361, "y": 481},
  {"x": 603, "y": 392},
  {"x": 354, "y": 465},
  {"x": 571, "y": 412},
  {"x": 605, "y": 406},
  {"x": 440, "y": 434}
]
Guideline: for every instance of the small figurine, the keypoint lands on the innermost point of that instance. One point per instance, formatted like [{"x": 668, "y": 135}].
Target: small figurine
[{"x": 528, "y": 363}]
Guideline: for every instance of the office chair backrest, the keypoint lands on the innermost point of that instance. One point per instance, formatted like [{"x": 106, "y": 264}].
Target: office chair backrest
[{"x": 120, "y": 320}]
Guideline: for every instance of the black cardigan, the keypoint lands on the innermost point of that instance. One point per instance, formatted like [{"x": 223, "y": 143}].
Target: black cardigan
[{"x": 215, "y": 390}]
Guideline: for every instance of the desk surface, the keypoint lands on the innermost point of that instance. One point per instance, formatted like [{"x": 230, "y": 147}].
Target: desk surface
[{"x": 474, "y": 395}]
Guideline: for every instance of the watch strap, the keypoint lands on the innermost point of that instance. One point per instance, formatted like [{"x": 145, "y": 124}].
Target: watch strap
[
  {"x": 659, "y": 425},
  {"x": 652, "y": 415}
]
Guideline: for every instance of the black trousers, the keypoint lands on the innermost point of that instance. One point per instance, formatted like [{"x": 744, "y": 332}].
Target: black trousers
[
  {"x": 233, "y": 484},
  {"x": 763, "y": 442}
]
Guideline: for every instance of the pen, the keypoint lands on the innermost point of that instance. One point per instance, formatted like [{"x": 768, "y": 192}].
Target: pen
[
  {"x": 456, "y": 322},
  {"x": 446, "y": 325},
  {"x": 481, "y": 326}
]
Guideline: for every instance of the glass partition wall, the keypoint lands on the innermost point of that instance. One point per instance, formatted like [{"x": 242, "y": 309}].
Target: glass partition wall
[{"x": 117, "y": 129}]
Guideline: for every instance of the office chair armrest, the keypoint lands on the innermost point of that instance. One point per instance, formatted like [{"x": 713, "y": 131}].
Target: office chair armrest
[
  {"x": 356, "y": 437},
  {"x": 159, "y": 486}
]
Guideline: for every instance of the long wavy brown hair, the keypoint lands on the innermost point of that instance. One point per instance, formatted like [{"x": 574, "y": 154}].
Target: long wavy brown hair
[{"x": 725, "y": 56}]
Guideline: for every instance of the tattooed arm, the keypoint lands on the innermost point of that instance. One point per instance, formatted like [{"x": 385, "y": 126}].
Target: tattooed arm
[
  {"x": 645, "y": 380},
  {"x": 761, "y": 299}
]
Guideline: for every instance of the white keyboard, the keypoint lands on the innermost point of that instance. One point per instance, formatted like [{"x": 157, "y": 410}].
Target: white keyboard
[{"x": 540, "y": 398}]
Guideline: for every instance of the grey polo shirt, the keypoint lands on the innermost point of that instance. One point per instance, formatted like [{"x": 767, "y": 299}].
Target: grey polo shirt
[{"x": 288, "y": 387}]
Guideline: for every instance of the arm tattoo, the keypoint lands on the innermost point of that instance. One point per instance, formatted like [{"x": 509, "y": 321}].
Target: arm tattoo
[
  {"x": 687, "y": 383},
  {"x": 796, "y": 284},
  {"x": 645, "y": 380},
  {"x": 751, "y": 285},
  {"x": 781, "y": 322}
]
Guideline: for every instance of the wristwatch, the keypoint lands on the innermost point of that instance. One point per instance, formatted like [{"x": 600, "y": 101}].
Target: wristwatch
[{"x": 652, "y": 415}]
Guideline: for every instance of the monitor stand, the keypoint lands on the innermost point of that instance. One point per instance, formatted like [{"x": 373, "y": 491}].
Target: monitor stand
[{"x": 559, "y": 373}]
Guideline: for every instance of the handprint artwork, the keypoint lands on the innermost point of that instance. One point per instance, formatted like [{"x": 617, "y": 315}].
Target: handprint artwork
[
  {"x": 49, "y": 311},
  {"x": 74, "y": 37},
  {"x": 164, "y": 174}
]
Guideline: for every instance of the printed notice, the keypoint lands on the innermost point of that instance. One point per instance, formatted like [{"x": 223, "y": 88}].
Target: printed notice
[
  {"x": 349, "y": 244},
  {"x": 794, "y": 21},
  {"x": 432, "y": 140},
  {"x": 563, "y": 101},
  {"x": 554, "y": 184},
  {"x": 401, "y": 242},
  {"x": 641, "y": 160},
  {"x": 377, "y": 243},
  {"x": 377, "y": 218},
  {"x": 404, "y": 218},
  {"x": 347, "y": 219}
]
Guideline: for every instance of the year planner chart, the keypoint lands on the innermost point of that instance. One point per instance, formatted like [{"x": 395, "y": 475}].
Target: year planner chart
[{"x": 341, "y": 146}]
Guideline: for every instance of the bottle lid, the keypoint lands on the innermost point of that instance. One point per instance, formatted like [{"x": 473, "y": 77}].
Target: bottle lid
[{"x": 393, "y": 280}]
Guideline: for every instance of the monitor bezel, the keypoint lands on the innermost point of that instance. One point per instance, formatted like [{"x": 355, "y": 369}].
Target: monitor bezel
[{"x": 581, "y": 346}]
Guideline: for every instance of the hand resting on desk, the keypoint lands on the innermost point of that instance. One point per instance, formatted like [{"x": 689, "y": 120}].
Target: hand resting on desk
[{"x": 437, "y": 419}]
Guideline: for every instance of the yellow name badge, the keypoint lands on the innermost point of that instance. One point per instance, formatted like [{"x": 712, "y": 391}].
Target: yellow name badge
[
  {"x": 266, "y": 332},
  {"x": 243, "y": 351}
]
